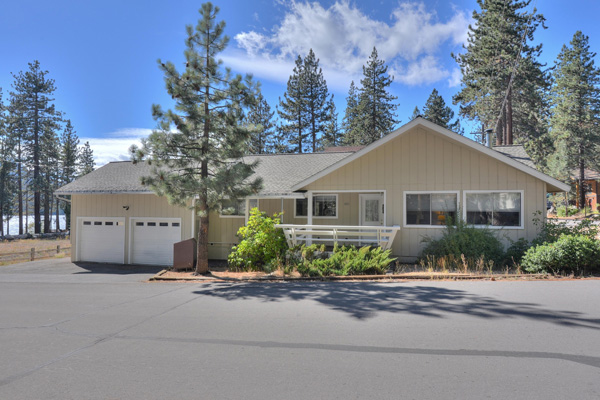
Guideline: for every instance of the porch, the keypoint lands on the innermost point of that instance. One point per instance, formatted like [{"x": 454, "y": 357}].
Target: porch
[{"x": 382, "y": 236}]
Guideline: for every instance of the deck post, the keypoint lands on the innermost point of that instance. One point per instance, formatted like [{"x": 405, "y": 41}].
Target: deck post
[{"x": 309, "y": 217}]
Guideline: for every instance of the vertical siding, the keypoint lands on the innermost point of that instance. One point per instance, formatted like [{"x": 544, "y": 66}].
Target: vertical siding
[{"x": 422, "y": 160}]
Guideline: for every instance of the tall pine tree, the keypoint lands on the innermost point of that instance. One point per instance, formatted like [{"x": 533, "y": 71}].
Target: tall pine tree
[
  {"x": 17, "y": 129},
  {"x": 331, "y": 133},
  {"x": 260, "y": 117},
  {"x": 503, "y": 82},
  {"x": 436, "y": 111},
  {"x": 86, "y": 161},
  {"x": 576, "y": 110},
  {"x": 350, "y": 120},
  {"x": 197, "y": 149},
  {"x": 69, "y": 156},
  {"x": 292, "y": 130},
  {"x": 375, "y": 112},
  {"x": 317, "y": 100}
]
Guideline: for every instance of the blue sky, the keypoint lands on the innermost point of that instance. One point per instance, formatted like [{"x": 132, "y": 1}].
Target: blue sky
[{"x": 103, "y": 54}]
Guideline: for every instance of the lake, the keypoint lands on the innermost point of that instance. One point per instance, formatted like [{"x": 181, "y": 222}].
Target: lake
[{"x": 14, "y": 224}]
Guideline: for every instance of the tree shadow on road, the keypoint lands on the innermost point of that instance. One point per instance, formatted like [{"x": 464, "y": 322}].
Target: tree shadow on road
[
  {"x": 116, "y": 269},
  {"x": 365, "y": 300}
]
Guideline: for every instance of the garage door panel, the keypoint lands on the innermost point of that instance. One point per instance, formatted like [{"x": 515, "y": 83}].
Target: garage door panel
[
  {"x": 152, "y": 240},
  {"x": 101, "y": 239}
]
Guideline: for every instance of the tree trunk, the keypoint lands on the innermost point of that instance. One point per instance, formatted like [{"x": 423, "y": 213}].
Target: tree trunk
[
  {"x": 202, "y": 262},
  {"x": 37, "y": 223},
  {"x": 581, "y": 178},
  {"x": 47, "y": 211},
  {"x": 57, "y": 215},
  {"x": 509, "y": 118},
  {"x": 20, "y": 188}
]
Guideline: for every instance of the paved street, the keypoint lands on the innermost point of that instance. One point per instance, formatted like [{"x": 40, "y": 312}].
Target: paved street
[{"x": 98, "y": 332}]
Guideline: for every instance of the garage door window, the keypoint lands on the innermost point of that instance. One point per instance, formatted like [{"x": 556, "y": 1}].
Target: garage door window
[
  {"x": 87, "y": 222},
  {"x": 151, "y": 223},
  {"x": 164, "y": 224}
]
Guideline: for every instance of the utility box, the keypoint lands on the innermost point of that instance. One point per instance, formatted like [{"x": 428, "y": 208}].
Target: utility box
[{"x": 184, "y": 255}]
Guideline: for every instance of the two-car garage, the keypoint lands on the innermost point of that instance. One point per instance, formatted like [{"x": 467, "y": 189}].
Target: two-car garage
[{"x": 135, "y": 240}]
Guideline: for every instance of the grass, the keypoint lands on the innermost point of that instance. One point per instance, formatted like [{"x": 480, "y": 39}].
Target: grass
[{"x": 20, "y": 250}]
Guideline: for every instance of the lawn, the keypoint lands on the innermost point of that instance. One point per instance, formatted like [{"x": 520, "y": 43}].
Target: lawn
[{"x": 20, "y": 250}]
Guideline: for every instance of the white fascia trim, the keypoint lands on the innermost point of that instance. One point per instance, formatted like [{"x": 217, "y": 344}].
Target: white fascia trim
[
  {"x": 445, "y": 132},
  {"x": 102, "y": 192},
  {"x": 405, "y": 225},
  {"x": 522, "y": 192}
]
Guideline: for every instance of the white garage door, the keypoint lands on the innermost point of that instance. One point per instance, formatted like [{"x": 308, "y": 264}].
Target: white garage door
[
  {"x": 101, "y": 239},
  {"x": 152, "y": 240}
]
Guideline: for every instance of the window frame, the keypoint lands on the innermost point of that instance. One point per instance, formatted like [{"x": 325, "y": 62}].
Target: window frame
[
  {"x": 245, "y": 211},
  {"x": 430, "y": 226},
  {"x": 522, "y": 211},
  {"x": 337, "y": 203}
]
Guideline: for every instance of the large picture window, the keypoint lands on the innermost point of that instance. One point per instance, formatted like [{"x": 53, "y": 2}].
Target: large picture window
[
  {"x": 430, "y": 208},
  {"x": 237, "y": 208},
  {"x": 494, "y": 208},
  {"x": 324, "y": 206}
]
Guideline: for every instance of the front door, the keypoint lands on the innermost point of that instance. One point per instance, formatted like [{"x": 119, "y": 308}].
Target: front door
[{"x": 371, "y": 209}]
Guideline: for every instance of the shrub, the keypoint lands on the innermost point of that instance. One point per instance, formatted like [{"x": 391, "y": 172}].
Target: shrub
[
  {"x": 568, "y": 254},
  {"x": 313, "y": 261},
  {"x": 464, "y": 240},
  {"x": 562, "y": 211},
  {"x": 550, "y": 231},
  {"x": 261, "y": 244},
  {"x": 514, "y": 253}
]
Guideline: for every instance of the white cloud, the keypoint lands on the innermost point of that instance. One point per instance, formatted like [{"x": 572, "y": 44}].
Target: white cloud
[
  {"x": 455, "y": 78},
  {"x": 114, "y": 146},
  {"x": 342, "y": 36}
]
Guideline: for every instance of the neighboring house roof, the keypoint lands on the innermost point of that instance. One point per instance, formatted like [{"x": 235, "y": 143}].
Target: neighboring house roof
[
  {"x": 516, "y": 152},
  {"x": 279, "y": 172},
  {"x": 114, "y": 177},
  {"x": 588, "y": 174},
  {"x": 553, "y": 184}
]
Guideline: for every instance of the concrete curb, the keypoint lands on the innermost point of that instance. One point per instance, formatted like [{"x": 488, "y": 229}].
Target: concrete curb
[{"x": 400, "y": 277}]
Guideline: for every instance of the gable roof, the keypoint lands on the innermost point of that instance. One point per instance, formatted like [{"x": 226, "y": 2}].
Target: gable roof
[
  {"x": 279, "y": 172},
  {"x": 553, "y": 184}
]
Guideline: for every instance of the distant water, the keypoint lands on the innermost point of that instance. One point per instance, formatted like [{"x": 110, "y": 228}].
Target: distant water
[{"x": 13, "y": 225}]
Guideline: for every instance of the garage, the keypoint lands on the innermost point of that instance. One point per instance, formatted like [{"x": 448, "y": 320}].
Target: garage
[
  {"x": 152, "y": 240},
  {"x": 101, "y": 239}
]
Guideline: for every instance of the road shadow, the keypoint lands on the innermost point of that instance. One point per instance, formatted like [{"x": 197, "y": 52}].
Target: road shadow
[
  {"x": 116, "y": 269},
  {"x": 363, "y": 300}
]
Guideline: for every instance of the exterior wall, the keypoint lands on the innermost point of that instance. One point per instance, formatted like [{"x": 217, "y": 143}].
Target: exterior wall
[
  {"x": 140, "y": 205},
  {"x": 423, "y": 160}
]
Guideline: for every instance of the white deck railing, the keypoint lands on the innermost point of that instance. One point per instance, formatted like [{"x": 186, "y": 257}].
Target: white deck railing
[{"x": 383, "y": 236}]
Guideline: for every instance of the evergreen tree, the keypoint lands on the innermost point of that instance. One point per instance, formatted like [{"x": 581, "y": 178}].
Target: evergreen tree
[
  {"x": 416, "y": 113},
  {"x": 17, "y": 129},
  {"x": 292, "y": 111},
  {"x": 69, "y": 156},
  {"x": 317, "y": 100},
  {"x": 201, "y": 158},
  {"x": 349, "y": 122},
  {"x": 576, "y": 110},
  {"x": 503, "y": 83},
  {"x": 439, "y": 113},
  {"x": 49, "y": 168},
  {"x": 86, "y": 160},
  {"x": 260, "y": 117},
  {"x": 331, "y": 134},
  {"x": 375, "y": 116},
  {"x": 35, "y": 91}
]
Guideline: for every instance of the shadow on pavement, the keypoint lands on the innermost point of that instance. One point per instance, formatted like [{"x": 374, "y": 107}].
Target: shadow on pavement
[
  {"x": 116, "y": 269},
  {"x": 365, "y": 300}
]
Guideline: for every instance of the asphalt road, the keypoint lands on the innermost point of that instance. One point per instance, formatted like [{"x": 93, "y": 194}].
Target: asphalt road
[{"x": 98, "y": 332}]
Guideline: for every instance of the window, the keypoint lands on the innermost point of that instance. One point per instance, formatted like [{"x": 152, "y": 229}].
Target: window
[
  {"x": 175, "y": 224},
  {"x": 163, "y": 224},
  {"x": 87, "y": 222},
  {"x": 430, "y": 209},
  {"x": 139, "y": 224},
  {"x": 494, "y": 208},
  {"x": 324, "y": 206},
  {"x": 110, "y": 223},
  {"x": 97, "y": 222},
  {"x": 151, "y": 224}
]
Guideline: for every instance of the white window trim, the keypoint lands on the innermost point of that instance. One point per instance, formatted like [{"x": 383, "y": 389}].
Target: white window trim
[
  {"x": 522, "y": 192},
  {"x": 337, "y": 204},
  {"x": 405, "y": 225}
]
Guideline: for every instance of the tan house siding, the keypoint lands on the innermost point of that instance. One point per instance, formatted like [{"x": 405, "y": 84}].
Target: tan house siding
[
  {"x": 140, "y": 205},
  {"x": 423, "y": 160}
]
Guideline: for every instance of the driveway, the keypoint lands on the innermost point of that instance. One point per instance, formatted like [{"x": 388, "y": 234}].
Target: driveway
[{"x": 99, "y": 332}]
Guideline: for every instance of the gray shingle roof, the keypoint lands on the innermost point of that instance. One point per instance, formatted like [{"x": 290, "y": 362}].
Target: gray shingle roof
[
  {"x": 279, "y": 172},
  {"x": 516, "y": 152}
]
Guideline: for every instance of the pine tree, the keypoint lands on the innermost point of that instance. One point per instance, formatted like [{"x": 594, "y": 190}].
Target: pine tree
[
  {"x": 17, "y": 129},
  {"x": 317, "y": 100},
  {"x": 69, "y": 156},
  {"x": 86, "y": 160},
  {"x": 49, "y": 168},
  {"x": 331, "y": 133},
  {"x": 35, "y": 91},
  {"x": 349, "y": 122},
  {"x": 197, "y": 149},
  {"x": 416, "y": 113},
  {"x": 375, "y": 116},
  {"x": 260, "y": 117},
  {"x": 292, "y": 111},
  {"x": 503, "y": 83},
  {"x": 439, "y": 113},
  {"x": 576, "y": 109}
]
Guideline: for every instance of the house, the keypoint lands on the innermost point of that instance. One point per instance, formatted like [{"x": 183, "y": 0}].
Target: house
[
  {"x": 408, "y": 183},
  {"x": 591, "y": 181}
]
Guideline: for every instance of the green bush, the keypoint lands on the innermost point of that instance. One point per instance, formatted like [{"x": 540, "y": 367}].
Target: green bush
[
  {"x": 568, "y": 254},
  {"x": 464, "y": 241},
  {"x": 313, "y": 261},
  {"x": 261, "y": 244},
  {"x": 514, "y": 253},
  {"x": 561, "y": 211},
  {"x": 550, "y": 231}
]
